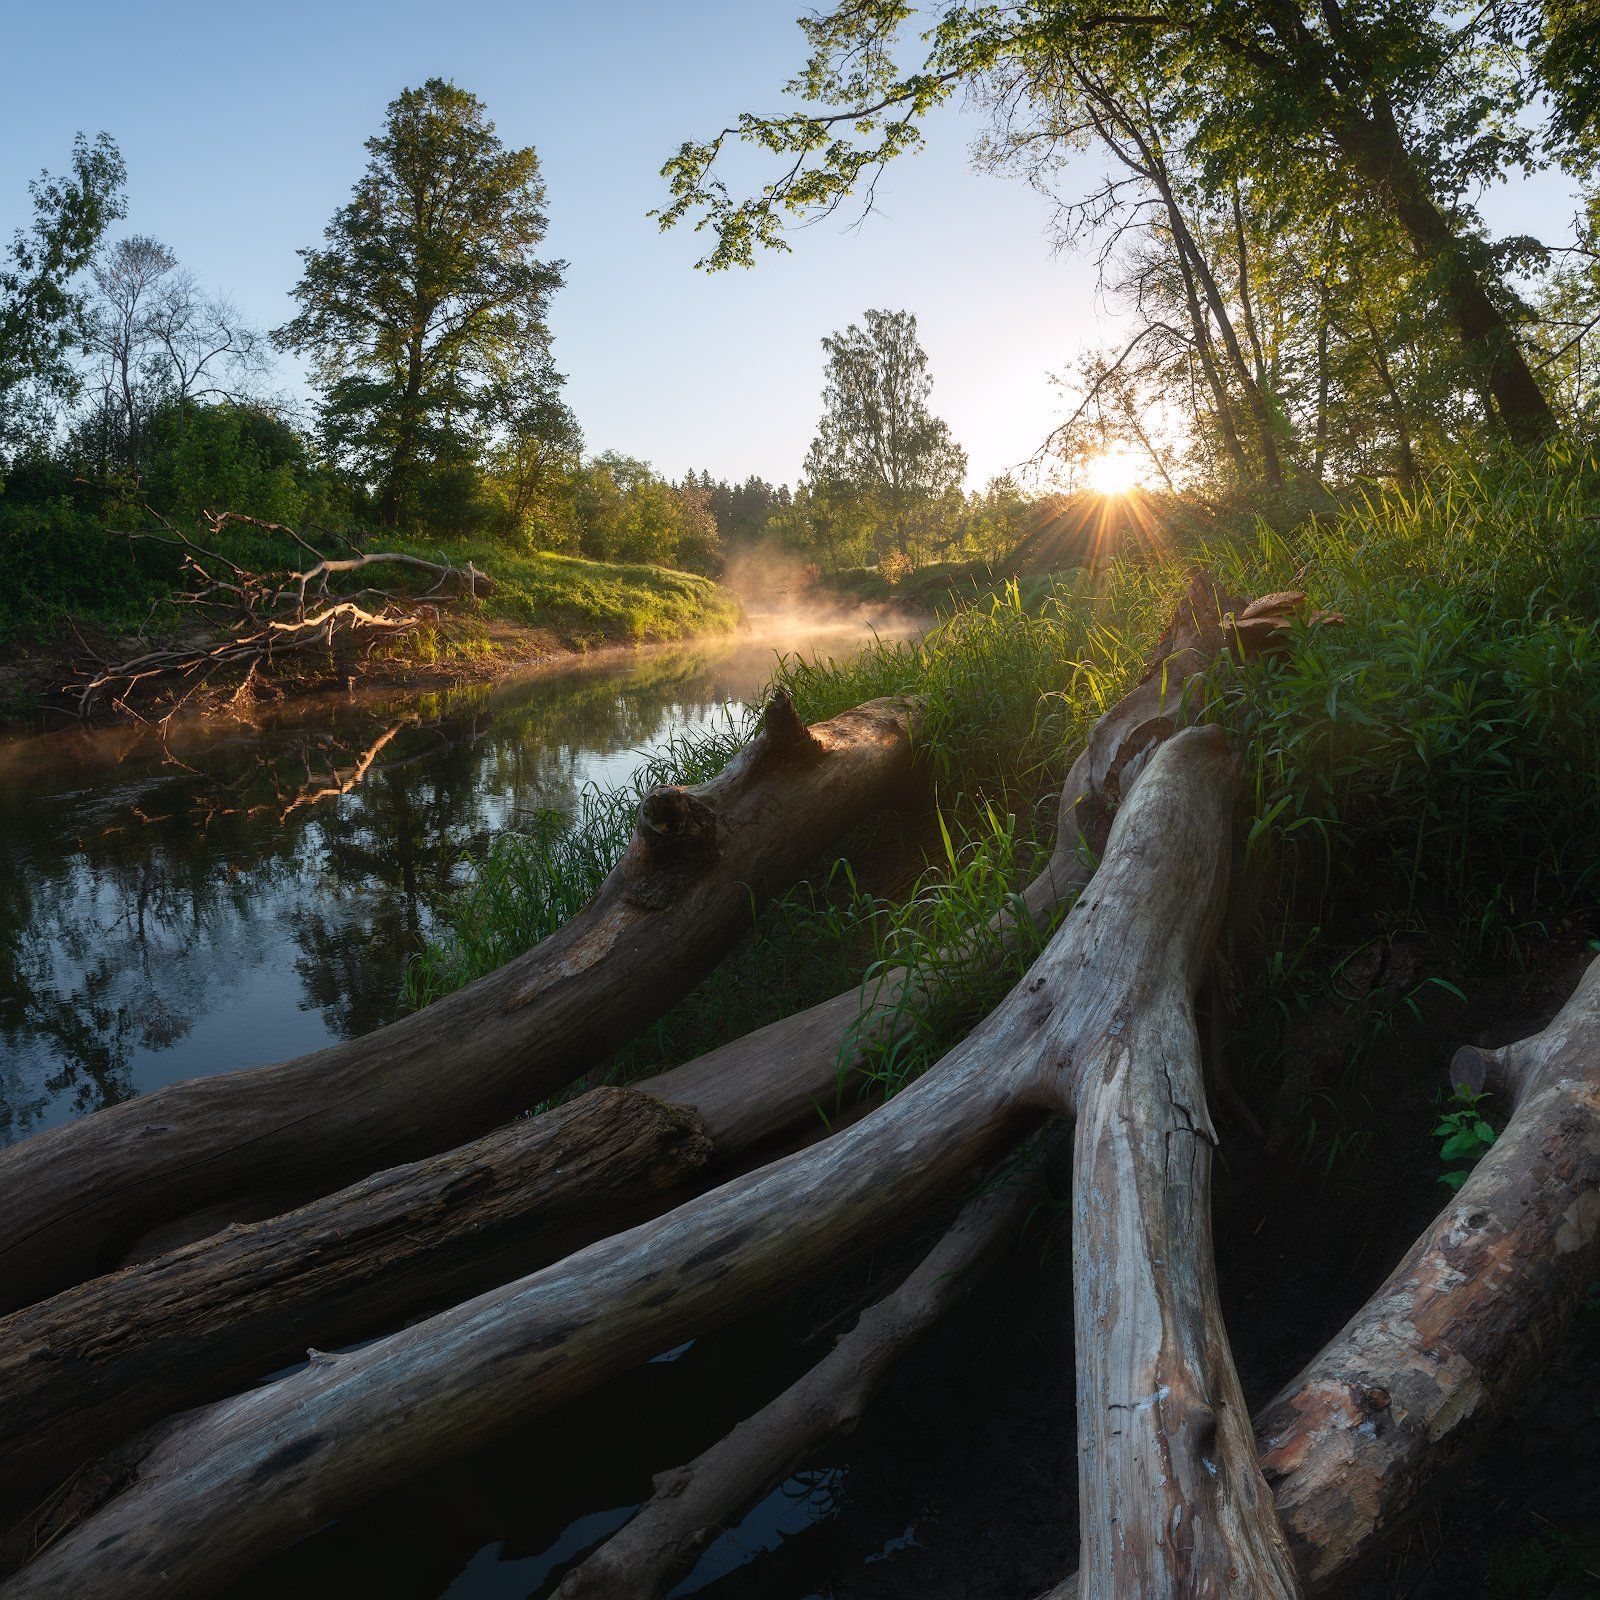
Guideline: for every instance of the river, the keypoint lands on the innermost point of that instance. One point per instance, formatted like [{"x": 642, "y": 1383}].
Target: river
[
  {"x": 248, "y": 890},
  {"x": 174, "y": 909}
]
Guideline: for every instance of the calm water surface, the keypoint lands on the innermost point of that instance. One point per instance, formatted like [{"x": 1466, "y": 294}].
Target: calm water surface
[{"x": 172, "y": 911}]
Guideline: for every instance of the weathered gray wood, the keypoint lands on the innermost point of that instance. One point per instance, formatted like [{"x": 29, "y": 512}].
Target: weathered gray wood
[
  {"x": 224, "y": 1486},
  {"x": 692, "y": 1504},
  {"x": 243, "y": 1145},
  {"x": 1371, "y": 1432},
  {"x": 82, "y": 1370}
]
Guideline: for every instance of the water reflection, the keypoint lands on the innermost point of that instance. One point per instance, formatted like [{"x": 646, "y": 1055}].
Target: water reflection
[{"x": 247, "y": 892}]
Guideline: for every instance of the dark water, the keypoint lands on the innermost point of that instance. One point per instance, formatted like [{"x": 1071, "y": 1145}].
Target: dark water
[
  {"x": 248, "y": 891},
  {"x": 179, "y": 909}
]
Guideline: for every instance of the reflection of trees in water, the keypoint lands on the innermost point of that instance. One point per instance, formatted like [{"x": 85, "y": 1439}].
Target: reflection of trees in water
[{"x": 142, "y": 890}]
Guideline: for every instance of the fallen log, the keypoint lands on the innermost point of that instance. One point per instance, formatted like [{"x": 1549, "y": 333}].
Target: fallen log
[
  {"x": 1374, "y": 1427},
  {"x": 222, "y": 1487},
  {"x": 1370, "y": 1433},
  {"x": 81, "y": 1371},
  {"x": 192, "y": 1158},
  {"x": 96, "y": 1362},
  {"x": 693, "y": 1504},
  {"x": 255, "y": 617}
]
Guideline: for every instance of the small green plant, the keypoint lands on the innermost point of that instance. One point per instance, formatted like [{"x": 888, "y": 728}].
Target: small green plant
[{"x": 1466, "y": 1136}]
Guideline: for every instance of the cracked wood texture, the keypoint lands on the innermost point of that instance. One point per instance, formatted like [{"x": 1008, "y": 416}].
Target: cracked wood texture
[
  {"x": 1372, "y": 1429},
  {"x": 179, "y": 1163},
  {"x": 222, "y": 1487},
  {"x": 1171, "y": 1502},
  {"x": 83, "y": 1370},
  {"x": 93, "y": 1364},
  {"x": 1370, "y": 1432}
]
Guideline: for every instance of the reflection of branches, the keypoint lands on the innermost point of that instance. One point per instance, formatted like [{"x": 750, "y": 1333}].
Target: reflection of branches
[
  {"x": 253, "y": 617},
  {"x": 342, "y": 785}
]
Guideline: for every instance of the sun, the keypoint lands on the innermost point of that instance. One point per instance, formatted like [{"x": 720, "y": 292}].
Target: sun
[{"x": 1112, "y": 473}]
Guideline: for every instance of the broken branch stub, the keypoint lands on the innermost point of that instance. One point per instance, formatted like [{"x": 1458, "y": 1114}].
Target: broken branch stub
[{"x": 180, "y": 1162}]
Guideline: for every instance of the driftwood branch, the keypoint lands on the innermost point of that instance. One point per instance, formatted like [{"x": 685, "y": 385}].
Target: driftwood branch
[
  {"x": 222, "y": 1487},
  {"x": 179, "y": 1163},
  {"x": 1370, "y": 1433},
  {"x": 692, "y": 1504},
  {"x": 253, "y": 617}
]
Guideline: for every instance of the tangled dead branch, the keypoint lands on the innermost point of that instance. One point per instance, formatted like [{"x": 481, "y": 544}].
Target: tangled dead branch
[{"x": 248, "y": 619}]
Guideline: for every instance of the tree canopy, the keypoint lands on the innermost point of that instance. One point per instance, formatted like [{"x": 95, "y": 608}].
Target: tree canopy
[{"x": 427, "y": 299}]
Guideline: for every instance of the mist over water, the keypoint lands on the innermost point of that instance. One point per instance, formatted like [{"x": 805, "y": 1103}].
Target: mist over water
[{"x": 167, "y": 912}]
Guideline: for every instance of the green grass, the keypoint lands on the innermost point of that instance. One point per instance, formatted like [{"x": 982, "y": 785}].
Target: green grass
[
  {"x": 69, "y": 570},
  {"x": 589, "y": 602},
  {"x": 1431, "y": 766}
]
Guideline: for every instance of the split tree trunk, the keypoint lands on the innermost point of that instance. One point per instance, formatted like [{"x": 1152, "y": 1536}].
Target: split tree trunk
[
  {"x": 189, "y": 1159},
  {"x": 693, "y": 1504},
  {"x": 93, "y": 1364},
  {"x": 1371, "y": 1431},
  {"x": 223, "y": 1487},
  {"x": 1171, "y": 1502}
]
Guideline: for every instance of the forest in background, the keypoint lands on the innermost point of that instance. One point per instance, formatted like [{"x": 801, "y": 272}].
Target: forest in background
[{"x": 133, "y": 397}]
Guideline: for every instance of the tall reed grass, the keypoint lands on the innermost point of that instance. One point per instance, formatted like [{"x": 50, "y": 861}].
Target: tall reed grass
[{"x": 1432, "y": 762}]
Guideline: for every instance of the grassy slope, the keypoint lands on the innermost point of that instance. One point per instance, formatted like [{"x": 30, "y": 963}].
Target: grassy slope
[
  {"x": 72, "y": 574},
  {"x": 587, "y": 603},
  {"x": 1429, "y": 770}
]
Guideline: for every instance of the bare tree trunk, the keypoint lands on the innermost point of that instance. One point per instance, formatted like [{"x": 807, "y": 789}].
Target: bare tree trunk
[
  {"x": 223, "y": 1487},
  {"x": 189, "y": 1159},
  {"x": 1371, "y": 1431},
  {"x": 692, "y": 1504}
]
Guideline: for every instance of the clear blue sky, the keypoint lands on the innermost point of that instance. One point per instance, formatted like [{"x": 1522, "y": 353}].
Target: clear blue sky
[{"x": 242, "y": 128}]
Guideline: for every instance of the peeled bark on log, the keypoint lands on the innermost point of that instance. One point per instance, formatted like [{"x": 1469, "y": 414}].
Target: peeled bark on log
[
  {"x": 692, "y": 1504},
  {"x": 94, "y": 1363},
  {"x": 191, "y": 1158},
  {"x": 1366, "y": 1435},
  {"x": 1370, "y": 1432},
  {"x": 223, "y": 1487}
]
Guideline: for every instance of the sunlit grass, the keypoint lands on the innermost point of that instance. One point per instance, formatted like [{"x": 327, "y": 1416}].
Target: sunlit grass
[{"x": 1432, "y": 764}]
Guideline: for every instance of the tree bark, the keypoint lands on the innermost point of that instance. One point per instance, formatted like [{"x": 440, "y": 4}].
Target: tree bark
[
  {"x": 692, "y": 1504},
  {"x": 223, "y": 1487},
  {"x": 96, "y": 1362},
  {"x": 90, "y": 1366},
  {"x": 1368, "y": 1435},
  {"x": 243, "y": 1145},
  {"x": 1364, "y": 1438}
]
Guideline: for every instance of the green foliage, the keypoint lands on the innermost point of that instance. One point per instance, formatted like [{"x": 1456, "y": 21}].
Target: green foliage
[
  {"x": 955, "y": 905},
  {"x": 1432, "y": 764},
  {"x": 1465, "y": 1135},
  {"x": 426, "y": 297},
  {"x": 42, "y": 305},
  {"x": 1290, "y": 215},
  {"x": 63, "y": 563},
  {"x": 624, "y": 512}
]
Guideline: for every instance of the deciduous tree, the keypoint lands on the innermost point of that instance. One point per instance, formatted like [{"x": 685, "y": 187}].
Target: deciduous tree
[
  {"x": 877, "y": 441},
  {"x": 426, "y": 291}
]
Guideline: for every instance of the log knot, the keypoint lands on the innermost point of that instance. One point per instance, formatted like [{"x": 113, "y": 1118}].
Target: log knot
[{"x": 674, "y": 843}]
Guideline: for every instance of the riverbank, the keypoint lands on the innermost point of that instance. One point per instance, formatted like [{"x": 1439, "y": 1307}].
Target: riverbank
[{"x": 541, "y": 607}]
